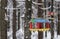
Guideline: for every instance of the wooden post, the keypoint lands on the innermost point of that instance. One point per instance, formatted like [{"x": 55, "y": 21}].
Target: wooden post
[
  {"x": 14, "y": 20},
  {"x": 40, "y": 14},
  {"x": 3, "y": 22}
]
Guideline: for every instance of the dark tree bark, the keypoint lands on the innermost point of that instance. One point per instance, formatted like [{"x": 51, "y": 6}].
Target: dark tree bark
[
  {"x": 3, "y": 22},
  {"x": 52, "y": 23},
  {"x": 28, "y": 6},
  {"x": 40, "y": 15},
  {"x": 58, "y": 29},
  {"x": 14, "y": 20},
  {"x": 18, "y": 19},
  {"x": 52, "y": 30}
]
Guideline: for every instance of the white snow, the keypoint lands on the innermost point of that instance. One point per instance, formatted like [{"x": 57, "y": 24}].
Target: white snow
[{"x": 20, "y": 32}]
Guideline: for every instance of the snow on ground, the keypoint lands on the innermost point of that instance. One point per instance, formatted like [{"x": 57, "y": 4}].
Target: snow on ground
[
  {"x": 20, "y": 34},
  {"x": 58, "y": 37},
  {"x": 34, "y": 35}
]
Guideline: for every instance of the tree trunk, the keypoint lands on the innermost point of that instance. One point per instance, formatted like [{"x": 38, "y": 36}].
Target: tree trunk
[
  {"x": 52, "y": 30},
  {"x": 40, "y": 15},
  {"x": 14, "y": 20},
  {"x": 18, "y": 19},
  {"x": 3, "y": 22},
  {"x": 45, "y": 16},
  {"x": 58, "y": 29},
  {"x": 52, "y": 23},
  {"x": 28, "y": 6}
]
